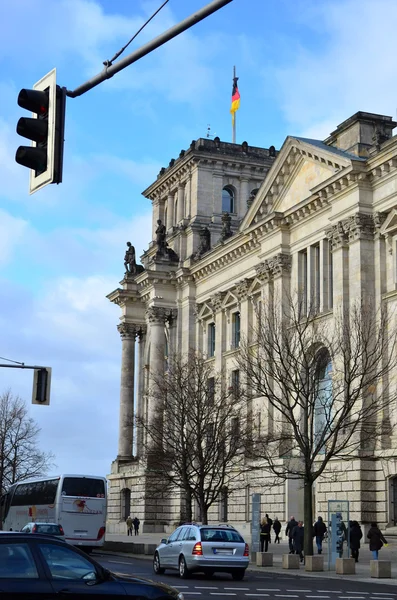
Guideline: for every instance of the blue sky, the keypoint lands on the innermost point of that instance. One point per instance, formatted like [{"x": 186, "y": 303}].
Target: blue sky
[{"x": 304, "y": 66}]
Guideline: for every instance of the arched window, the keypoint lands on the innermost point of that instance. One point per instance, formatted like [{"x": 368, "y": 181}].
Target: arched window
[
  {"x": 228, "y": 200},
  {"x": 323, "y": 400}
]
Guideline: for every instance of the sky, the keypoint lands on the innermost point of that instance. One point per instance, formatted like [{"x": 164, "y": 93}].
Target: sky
[{"x": 304, "y": 66}]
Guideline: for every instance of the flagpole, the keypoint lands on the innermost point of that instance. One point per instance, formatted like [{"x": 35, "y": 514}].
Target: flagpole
[{"x": 234, "y": 115}]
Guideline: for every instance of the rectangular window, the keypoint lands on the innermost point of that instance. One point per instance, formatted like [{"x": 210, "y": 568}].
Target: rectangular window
[
  {"x": 235, "y": 383},
  {"x": 330, "y": 278},
  {"x": 315, "y": 276},
  {"x": 302, "y": 279},
  {"x": 211, "y": 339},
  {"x": 236, "y": 330}
]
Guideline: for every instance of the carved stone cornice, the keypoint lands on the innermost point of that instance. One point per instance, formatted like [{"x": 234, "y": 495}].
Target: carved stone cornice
[
  {"x": 280, "y": 264},
  {"x": 242, "y": 289},
  {"x": 216, "y": 301},
  {"x": 128, "y": 331},
  {"x": 360, "y": 227}
]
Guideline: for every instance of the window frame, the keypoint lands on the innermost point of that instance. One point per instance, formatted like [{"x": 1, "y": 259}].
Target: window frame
[{"x": 231, "y": 199}]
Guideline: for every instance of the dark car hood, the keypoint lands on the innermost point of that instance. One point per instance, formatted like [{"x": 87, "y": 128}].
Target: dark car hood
[{"x": 126, "y": 579}]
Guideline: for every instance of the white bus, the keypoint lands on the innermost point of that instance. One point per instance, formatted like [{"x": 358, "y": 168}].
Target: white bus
[{"x": 77, "y": 502}]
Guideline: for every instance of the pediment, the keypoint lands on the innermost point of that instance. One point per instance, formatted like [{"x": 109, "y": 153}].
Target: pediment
[
  {"x": 301, "y": 166},
  {"x": 229, "y": 300},
  {"x": 389, "y": 227},
  {"x": 307, "y": 175},
  {"x": 204, "y": 311}
]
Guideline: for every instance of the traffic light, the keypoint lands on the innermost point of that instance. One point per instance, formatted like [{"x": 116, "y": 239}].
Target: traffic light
[
  {"x": 44, "y": 158},
  {"x": 41, "y": 386}
]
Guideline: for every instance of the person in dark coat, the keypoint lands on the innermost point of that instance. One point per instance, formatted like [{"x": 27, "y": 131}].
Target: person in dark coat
[
  {"x": 376, "y": 540},
  {"x": 319, "y": 530},
  {"x": 298, "y": 535},
  {"x": 136, "y": 522},
  {"x": 288, "y": 532},
  {"x": 270, "y": 521},
  {"x": 265, "y": 534},
  {"x": 355, "y": 536},
  {"x": 277, "y": 529}
]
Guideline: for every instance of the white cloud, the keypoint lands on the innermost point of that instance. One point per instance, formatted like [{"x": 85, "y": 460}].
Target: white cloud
[{"x": 352, "y": 68}]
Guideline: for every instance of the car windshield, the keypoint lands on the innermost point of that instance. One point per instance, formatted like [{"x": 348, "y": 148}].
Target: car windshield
[
  {"x": 48, "y": 528},
  {"x": 220, "y": 535}
]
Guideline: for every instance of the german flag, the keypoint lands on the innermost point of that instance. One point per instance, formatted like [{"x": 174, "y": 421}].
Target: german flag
[{"x": 235, "y": 98}]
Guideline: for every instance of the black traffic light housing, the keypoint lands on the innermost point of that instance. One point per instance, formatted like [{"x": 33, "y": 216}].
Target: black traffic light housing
[
  {"x": 44, "y": 158},
  {"x": 41, "y": 386}
]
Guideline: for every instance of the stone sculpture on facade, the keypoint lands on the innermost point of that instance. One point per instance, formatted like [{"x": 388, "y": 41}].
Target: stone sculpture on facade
[
  {"x": 162, "y": 247},
  {"x": 226, "y": 227},
  {"x": 130, "y": 262},
  {"x": 205, "y": 242}
]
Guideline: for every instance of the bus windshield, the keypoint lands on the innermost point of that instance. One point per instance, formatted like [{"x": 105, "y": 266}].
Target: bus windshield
[{"x": 83, "y": 487}]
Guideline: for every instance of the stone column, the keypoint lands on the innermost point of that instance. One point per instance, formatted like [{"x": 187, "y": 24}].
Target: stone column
[
  {"x": 128, "y": 332},
  {"x": 244, "y": 195},
  {"x": 170, "y": 210},
  {"x": 181, "y": 203},
  {"x": 141, "y": 388},
  {"x": 337, "y": 236},
  {"x": 156, "y": 317},
  {"x": 360, "y": 228}
]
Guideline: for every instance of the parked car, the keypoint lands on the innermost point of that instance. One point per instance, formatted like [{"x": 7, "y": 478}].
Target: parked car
[
  {"x": 206, "y": 548},
  {"x": 47, "y": 528},
  {"x": 39, "y": 566}
]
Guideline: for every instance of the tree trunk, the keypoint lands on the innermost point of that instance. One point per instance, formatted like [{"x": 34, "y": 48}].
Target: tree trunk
[
  {"x": 308, "y": 516},
  {"x": 188, "y": 506}
]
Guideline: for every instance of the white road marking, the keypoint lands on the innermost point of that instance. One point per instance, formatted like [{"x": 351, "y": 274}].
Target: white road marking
[
  {"x": 192, "y": 593},
  {"x": 236, "y": 589},
  {"x": 119, "y": 562},
  {"x": 295, "y": 590},
  {"x": 257, "y": 595},
  {"x": 203, "y": 587},
  {"x": 286, "y": 595},
  {"x": 221, "y": 594},
  {"x": 317, "y": 596},
  {"x": 329, "y": 591}
]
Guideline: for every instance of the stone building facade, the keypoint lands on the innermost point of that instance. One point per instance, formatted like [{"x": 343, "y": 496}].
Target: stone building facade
[{"x": 229, "y": 221}]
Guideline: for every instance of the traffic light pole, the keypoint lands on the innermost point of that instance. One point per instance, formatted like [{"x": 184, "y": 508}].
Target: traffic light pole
[
  {"x": 111, "y": 69},
  {"x": 41, "y": 382}
]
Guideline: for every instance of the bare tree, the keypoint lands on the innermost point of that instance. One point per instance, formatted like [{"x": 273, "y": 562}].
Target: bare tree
[
  {"x": 325, "y": 384},
  {"x": 196, "y": 440},
  {"x": 20, "y": 457}
]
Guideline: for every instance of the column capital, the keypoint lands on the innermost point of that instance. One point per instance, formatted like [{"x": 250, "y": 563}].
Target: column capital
[
  {"x": 242, "y": 289},
  {"x": 128, "y": 331},
  {"x": 360, "y": 227},
  {"x": 280, "y": 264},
  {"x": 337, "y": 235},
  {"x": 160, "y": 314}
]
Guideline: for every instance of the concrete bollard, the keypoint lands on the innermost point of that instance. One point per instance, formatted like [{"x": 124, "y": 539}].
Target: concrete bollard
[
  {"x": 253, "y": 554},
  {"x": 345, "y": 566},
  {"x": 314, "y": 563},
  {"x": 380, "y": 569},
  {"x": 291, "y": 561},
  {"x": 264, "y": 559}
]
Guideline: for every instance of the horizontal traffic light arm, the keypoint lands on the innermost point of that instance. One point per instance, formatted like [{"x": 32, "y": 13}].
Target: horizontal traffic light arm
[{"x": 161, "y": 39}]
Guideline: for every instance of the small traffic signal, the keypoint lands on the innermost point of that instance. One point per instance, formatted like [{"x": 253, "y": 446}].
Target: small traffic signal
[
  {"x": 44, "y": 158},
  {"x": 41, "y": 386}
]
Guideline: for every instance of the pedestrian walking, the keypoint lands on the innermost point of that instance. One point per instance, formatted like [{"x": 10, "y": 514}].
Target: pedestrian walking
[
  {"x": 319, "y": 531},
  {"x": 265, "y": 534},
  {"x": 288, "y": 532},
  {"x": 298, "y": 535},
  {"x": 376, "y": 540},
  {"x": 129, "y": 525},
  {"x": 277, "y": 529},
  {"x": 355, "y": 536},
  {"x": 136, "y": 523}
]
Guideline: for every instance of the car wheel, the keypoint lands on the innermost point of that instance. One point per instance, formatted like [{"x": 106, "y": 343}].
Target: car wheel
[
  {"x": 183, "y": 570},
  {"x": 238, "y": 574},
  {"x": 156, "y": 565}
]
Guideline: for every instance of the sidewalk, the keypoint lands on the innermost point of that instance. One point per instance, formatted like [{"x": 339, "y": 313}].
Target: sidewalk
[{"x": 143, "y": 546}]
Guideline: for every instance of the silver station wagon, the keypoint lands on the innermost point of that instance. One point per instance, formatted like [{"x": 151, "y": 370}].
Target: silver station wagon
[{"x": 206, "y": 548}]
